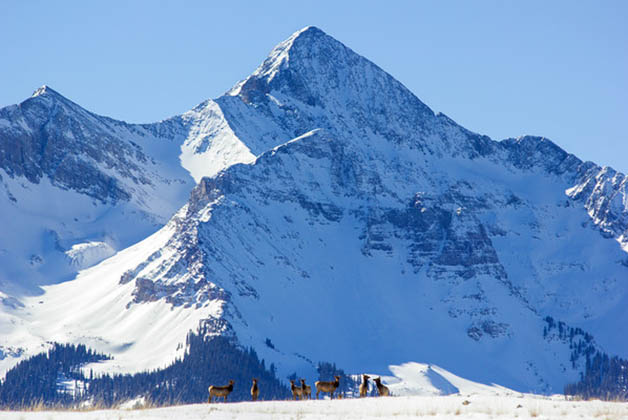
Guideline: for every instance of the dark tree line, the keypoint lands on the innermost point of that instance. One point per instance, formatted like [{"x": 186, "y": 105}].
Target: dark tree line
[
  {"x": 604, "y": 377},
  {"x": 580, "y": 342},
  {"x": 36, "y": 379},
  {"x": 207, "y": 361}
]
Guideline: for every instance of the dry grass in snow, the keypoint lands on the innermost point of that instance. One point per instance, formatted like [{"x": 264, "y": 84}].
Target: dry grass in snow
[{"x": 437, "y": 408}]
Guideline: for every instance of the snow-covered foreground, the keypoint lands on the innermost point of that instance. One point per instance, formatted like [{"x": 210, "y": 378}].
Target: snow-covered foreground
[{"x": 449, "y": 407}]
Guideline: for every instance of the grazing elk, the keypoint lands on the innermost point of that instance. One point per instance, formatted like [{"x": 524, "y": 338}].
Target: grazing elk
[
  {"x": 254, "y": 390},
  {"x": 220, "y": 391},
  {"x": 330, "y": 387},
  {"x": 382, "y": 389},
  {"x": 297, "y": 392},
  {"x": 306, "y": 390},
  {"x": 364, "y": 386}
]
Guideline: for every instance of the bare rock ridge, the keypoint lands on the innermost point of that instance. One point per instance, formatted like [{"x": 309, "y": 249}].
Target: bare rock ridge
[
  {"x": 48, "y": 141},
  {"x": 69, "y": 177}
]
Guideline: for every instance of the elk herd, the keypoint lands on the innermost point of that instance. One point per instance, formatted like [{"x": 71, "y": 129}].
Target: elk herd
[{"x": 303, "y": 391}]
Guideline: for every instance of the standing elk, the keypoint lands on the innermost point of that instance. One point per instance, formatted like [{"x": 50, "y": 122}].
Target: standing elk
[
  {"x": 330, "y": 387},
  {"x": 364, "y": 386},
  {"x": 306, "y": 390},
  {"x": 254, "y": 390},
  {"x": 382, "y": 389},
  {"x": 297, "y": 392},
  {"x": 220, "y": 391}
]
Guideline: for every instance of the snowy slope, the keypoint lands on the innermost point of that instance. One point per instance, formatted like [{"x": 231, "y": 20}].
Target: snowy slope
[
  {"x": 70, "y": 178},
  {"x": 352, "y": 224},
  {"x": 76, "y": 187},
  {"x": 478, "y": 407},
  {"x": 430, "y": 380}
]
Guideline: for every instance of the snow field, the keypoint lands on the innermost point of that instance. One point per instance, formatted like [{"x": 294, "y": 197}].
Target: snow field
[{"x": 438, "y": 408}]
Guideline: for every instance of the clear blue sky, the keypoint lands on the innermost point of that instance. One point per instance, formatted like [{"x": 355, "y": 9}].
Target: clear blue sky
[{"x": 558, "y": 69}]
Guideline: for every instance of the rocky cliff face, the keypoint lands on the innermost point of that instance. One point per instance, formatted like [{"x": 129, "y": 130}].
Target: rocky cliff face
[
  {"x": 350, "y": 223},
  {"x": 50, "y": 136},
  {"x": 428, "y": 260},
  {"x": 70, "y": 178}
]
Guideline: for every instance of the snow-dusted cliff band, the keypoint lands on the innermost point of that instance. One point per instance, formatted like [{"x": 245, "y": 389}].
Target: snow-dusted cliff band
[{"x": 335, "y": 217}]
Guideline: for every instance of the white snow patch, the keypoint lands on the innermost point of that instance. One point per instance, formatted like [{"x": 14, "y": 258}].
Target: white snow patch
[
  {"x": 211, "y": 145},
  {"x": 414, "y": 378},
  {"x": 87, "y": 254}
]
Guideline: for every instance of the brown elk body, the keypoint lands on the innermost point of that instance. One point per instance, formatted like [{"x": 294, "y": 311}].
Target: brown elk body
[
  {"x": 382, "y": 389},
  {"x": 220, "y": 391},
  {"x": 364, "y": 386},
  {"x": 254, "y": 390},
  {"x": 330, "y": 387},
  {"x": 306, "y": 390},
  {"x": 297, "y": 392}
]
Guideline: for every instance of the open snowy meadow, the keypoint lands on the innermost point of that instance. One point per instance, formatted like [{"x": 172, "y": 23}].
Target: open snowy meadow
[{"x": 440, "y": 407}]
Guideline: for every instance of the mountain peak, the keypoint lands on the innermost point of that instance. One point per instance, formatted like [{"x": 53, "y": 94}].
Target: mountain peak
[
  {"x": 285, "y": 52},
  {"x": 304, "y": 36},
  {"x": 316, "y": 70},
  {"x": 308, "y": 31},
  {"x": 47, "y": 97},
  {"x": 45, "y": 90}
]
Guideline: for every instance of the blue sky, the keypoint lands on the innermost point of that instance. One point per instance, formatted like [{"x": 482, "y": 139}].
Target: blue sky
[{"x": 558, "y": 69}]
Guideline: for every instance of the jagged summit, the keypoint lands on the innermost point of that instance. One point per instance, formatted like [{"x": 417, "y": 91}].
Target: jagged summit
[
  {"x": 311, "y": 81},
  {"x": 305, "y": 49},
  {"x": 293, "y": 48},
  {"x": 45, "y": 90},
  {"x": 48, "y": 97},
  {"x": 77, "y": 186},
  {"x": 280, "y": 55},
  {"x": 318, "y": 70}
]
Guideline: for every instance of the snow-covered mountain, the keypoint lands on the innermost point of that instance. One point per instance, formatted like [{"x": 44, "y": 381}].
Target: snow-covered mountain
[
  {"x": 77, "y": 187},
  {"x": 337, "y": 218}
]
